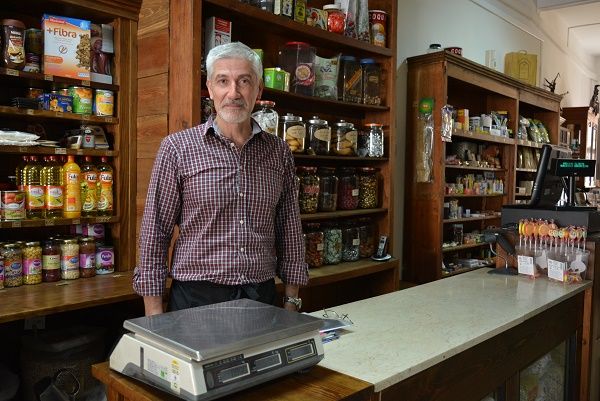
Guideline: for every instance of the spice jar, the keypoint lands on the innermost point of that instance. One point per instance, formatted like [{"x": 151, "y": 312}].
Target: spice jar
[
  {"x": 69, "y": 259},
  {"x": 319, "y": 134},
  {"x": 51, "y": 261},
  {"x": 13, "y": 265},
  {"x": 350, "y": 80},
  {"x": 336, "y": 20},
  {"x": 266, "y": 116},
  {"x": 13, "y": 44},
  {"x": 366, "y": 234},
  {"x": 32, "y": 263},
  {"x": 294, "y": 132},
  {"x": 347, "y": 188},
  {"x": 375, "y": 141},
  {"x": 87, "y": 257},
  {"x": 333, "y": 244},
  {"x": 308, "y": 193},
  {"x": 368, "y": 188},
  {"x": 328, "y": 186},
  {"x": 350, "y": 243},
  {"x": 343, "y": 143},
  {"x": 105, "y": 259},
  {"x": 314, "y": 243},
  {"x": 371, "y": 77}
]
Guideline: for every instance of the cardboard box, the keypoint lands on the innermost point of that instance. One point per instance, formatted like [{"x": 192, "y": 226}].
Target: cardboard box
[
  {"x": 217, "y": 31},
  {"x": 284, "y": 7},
  {"x": 67, "y": 47},
  {"x": 274, "y": 78},
  {"x": 522, "y": 66},
  {"x": 103, "y": 49}
]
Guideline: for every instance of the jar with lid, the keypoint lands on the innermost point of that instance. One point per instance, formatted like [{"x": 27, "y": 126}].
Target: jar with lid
[
  {"x": 336, "y": 19},
  {"x": 298, "y": 58},
  {"x": 350, "y": 242},
  {"x": 371, "y": 144},
  {"x": 32, "y": 263},
  {"x": 315, "y": 245},
  {"x": 328, "y": 186},
  {"x": 1, "y": 271},
  {"x": 87, "y": 257},
  {"x": 344, "y": 141},
  {"x": 333, "y": 243},
  {"x": 266, "y": 116},
  {"x": 371, "y": 77},
  {"x": 350, "y": 80},
  {"x": 50, "y": 260},
  {"x": 13, "y": 265},
  {"x": 347, "y": 188},
  {"x": 434, "y": 47},
  {"x": 13, "y": 44},
  {"x": 293, "y": 131},
  {"x": 69, "y": 259},
  {"x": 366, "y": 234},
  {"x": 319, "y": 134},
  {"x": 368, "y": 187},
  {"x": 308, "y": 191},
  {"x": 105, "y": 259}
]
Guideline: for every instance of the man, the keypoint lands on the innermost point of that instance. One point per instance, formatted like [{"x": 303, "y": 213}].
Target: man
[{"x": 231, "y": 189}]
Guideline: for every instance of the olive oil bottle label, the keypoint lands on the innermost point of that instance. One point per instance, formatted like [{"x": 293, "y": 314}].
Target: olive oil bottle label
[{"x": 54, "y": 197}]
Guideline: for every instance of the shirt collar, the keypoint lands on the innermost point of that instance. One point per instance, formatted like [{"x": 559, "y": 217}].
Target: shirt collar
[{"x": 211, "y": 126}]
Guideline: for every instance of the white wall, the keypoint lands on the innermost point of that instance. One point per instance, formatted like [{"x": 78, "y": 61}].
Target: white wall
[{"x": 476, "y": 26}]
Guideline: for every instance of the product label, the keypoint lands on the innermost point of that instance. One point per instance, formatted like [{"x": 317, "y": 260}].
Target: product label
[
  {"x": 320, "y": 246},
  {"x": 310, "y": 189},
  {"x": 356, "y": 241},
  {"x": 297, "y": 131},
  {"x": 50, "y": 262},
  {"x": 12, "y": 270},
  {"x": 323, "y": 134},
  {"x": 87, "y": 261},
  {"x": 54, "y": 197},
  {"x": 355, "y": 192},
  {"x": 32, "y": 266},
  {"x": 72, "y": 178},
  {"x": 556, "y": 270},
  {"x": 305, "y": 75},
  {"x": 69, "y": 262},
  {"x": 351, "y": 136},
  {"x": 35, "y": 197}
]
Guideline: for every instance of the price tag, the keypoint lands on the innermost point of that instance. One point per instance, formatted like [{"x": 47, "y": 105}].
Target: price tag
[
  {"x": 85, "y": 83},
  {"x": 108, "y": 120},
  {"x": 320, "y": 246},
  {"x": 525, "y": 265},
  {"x": 59, "y": 114},
  {"x": 103, "y": 219},
  {"x": 60, "y": 151},
  {"x": 10, "y": 71},
  {"x": 556, "y": 270},
  {"x": 79, "y": 152},
  {"x": 16, "y": 223},
  {"x": 30, "y": 112},
  {"x": 85, "y": 117},
  {"x": 49, "y": 222},
  {"x": 23, "y": 149},
  {"x": 48, "y": 77},
  {"x": 76, "y": 221}
]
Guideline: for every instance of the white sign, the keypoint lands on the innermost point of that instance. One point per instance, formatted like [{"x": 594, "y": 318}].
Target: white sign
[
  {"x": 556, "y": 270},
  {"x": 525, "y": 265}
]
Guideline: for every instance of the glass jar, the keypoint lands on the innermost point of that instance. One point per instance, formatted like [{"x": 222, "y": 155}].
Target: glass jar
[
  {"x": 333, "y": 244},
  {"x": 32, "y": 263},
  {"x": 368, "y": 188},
  {"x": 50, "y": 261},
  {"x": 319, "y": 134},
  {"x": 350, "y": 243},
  {"x": 328, "y": 186},
  {"x": 1, "y": 271},
  {"x": 315, "y": 245},
  {"x": 344, "y": 141},
  {"x": 298, "y": 58},
  {"x": 348, "y": 191},
  {"x": 371, "y": 77},
  {"x": 69, "y": 259},
  {"x": 294, "y": 132},
  {"x": 266, "y": 116},
  {"x": 336, "y": 19},
  {"x": 87, "y": 257},
  {"x": 350, "y": 80},
  {"x": 308, "y": 193},
  {"x": 105, "y": 259},
  {"x": 13, "y": 265},
  {"x": 375, "y": 131},
  {"x": 366, "y": 234}
]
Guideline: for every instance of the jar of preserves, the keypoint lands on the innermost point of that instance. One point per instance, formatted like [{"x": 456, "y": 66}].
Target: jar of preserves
[
  {"x": 371, "y": 77},
  {"x": 368, "y": 187},
  {"x": 51, "y": 261},
  {"x": 333, "y": 244},
  {"x": 350, "y": 80},
  {"x": 294, "y": 132},
  {"x": 13, "y": 44},
  {"x": 336, "y": 19},
  {"x": 105, "y": 259},
  {"x": 347, "y": 188},
  {"x": 69, "y": 259},
  {"x": 308, "y": 192},
  {"x": 350, "y": 243},
  {"x": 375, "y": 141},
  {"x": 32, "y": 263},
  {"x": 266, "y": 116},
  {"x": 87, "y": 257},
  {"x": 328, "y": 186},
  {"x": 319, "y": 134},
  {"x": 1, "y": 271},
  {"x": 366, "y": 234},
  {"x": 343, "y": 143},
  {"x": 315, "y": 245},
  {"x": 13, "y": 265}
]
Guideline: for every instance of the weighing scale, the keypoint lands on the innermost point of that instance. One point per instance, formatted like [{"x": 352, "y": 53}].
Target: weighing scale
[{"x": 209, "y": 351}]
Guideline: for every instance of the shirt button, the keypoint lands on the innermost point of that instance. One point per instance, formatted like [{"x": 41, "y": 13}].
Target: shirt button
[
  {"x": 242, "y": 222},
  {"x": 243, "y": 277},
  {"x": 242, "y": 249},
  {"x": 241, "y": 194},
  {"x": 232, "y": 145}
]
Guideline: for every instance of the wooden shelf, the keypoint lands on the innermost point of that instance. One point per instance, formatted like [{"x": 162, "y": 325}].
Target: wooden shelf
[
  {"x": 461, "y": 247},
  {"x": 57, "y": 222},
  {"x": 341, "y": 213},
  {"x": 344, "y": 271},
  {"x": 14, "y": 111},
  {"x": 463, "y": 219},
  {"x": 475, "y": 168},
  {"x": 530, "y": 144},
  {"x": 471, "y": 196},
  {"x": 317, "y": 102},
  {"x": 47, "y": 78},
  {"x": 302, "y": 157},
  {"x": 42, "y": 150},
  {"x": 483, "y": 137},
  {"x": 526, "y": 170},
  {"x": 461, "y": 271}
]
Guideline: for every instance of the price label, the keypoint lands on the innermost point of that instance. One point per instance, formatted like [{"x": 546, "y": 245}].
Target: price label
[
  {"x": 79, "y": 152},
  {"x": 60, "y": 151},
  {"x": 23, "y": 149},
  {"x": 85, "y": 117},
  {"x": 49, "y": 222},
  {"x": 10, "y": 71},
  {"x": 48, "y": 77},
  {"x": 16, "y": 224},
  {"x": 59, "y": 114},
  {"x": 109, "y": 120},
  {"x": 76, "y": 221},
  {"x": 30, "y": 112},
  {"x": 85, "y": 83},
  {"x": 556, "y": 270},
  {"x": 525, "y": 265},
  {"x": 103, "y": 219}
]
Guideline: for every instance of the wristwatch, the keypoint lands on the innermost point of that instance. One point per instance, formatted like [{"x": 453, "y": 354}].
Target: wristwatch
[{"x": 297, "y": 302}]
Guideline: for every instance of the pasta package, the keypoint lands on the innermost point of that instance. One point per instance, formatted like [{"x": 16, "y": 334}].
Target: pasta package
[
  {"x": 67, "y": 47},
  {"x": 326, "y": 76}
]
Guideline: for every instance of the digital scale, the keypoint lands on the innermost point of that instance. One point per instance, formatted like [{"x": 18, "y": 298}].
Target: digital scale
[{"x": 209, "y": 351}]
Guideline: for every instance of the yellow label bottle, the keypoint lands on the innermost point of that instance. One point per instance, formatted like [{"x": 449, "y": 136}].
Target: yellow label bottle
[
  {"x": 53, "y": 182},
  {"x": 105, "y": 188},
  {"x": 72, "y": 194}
]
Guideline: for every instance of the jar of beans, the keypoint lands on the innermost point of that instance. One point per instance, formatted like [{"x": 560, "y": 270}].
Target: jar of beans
[
  {"x": 347, "y": 188},
  {"x": 87, "y": 257},
  {"x": 375, "y": 139},
  {"x": 328, "y": 187},
  {"x": 32, "y": 263},
  {"x": 333, "y": 243},
  {"x": 308, "y": 194},
  {"x": 368, "y": 187},
  {"x": 315, "y": 246},
  {"x": 319, "y": 134},
  {"x": 50, "y": 260},
  {"x": 69, "y": 259},
  {"x": 366, "y": 234},
  {"x": 343, "y": 143},
  {"x": 13, "y": 265},
  {"x": 350, "y": 242}
]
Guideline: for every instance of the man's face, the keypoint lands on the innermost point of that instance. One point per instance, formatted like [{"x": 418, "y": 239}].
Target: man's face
[{"x": 234, "y": 89}]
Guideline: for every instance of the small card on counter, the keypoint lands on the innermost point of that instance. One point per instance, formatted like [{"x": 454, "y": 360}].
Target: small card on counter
[{"x": 525, "y": 265}]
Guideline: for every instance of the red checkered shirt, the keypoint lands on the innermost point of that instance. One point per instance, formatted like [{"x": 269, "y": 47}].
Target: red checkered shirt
[{"x": 237, "y": 211}]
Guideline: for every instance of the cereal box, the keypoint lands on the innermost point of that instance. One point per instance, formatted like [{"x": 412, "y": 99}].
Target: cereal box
[{"x": 66, "y": 47}]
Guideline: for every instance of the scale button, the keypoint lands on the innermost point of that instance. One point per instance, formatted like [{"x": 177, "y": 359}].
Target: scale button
[{"x": 210, "y": 382}]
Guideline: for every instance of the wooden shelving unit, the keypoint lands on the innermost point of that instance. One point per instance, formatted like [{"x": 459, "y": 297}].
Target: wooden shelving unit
[{"x": 48, "y": 114}]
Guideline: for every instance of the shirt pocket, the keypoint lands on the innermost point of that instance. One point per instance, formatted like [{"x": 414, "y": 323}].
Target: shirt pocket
[
  {"x": 209, "y": 188},
  {"x": 266, "y": 189}
]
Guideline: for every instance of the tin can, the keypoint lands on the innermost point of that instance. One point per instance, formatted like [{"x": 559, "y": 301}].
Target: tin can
[
  {"x": 105, "y": 259},
  {"x": 63, "y": 92},
  {"x": 33, "y": 93},
  {"x": 13, "y": 205},
  {"x": 82, "y": 99},
  {"x": 378, "y": 23},
  {"x": 104, "y": 103}
]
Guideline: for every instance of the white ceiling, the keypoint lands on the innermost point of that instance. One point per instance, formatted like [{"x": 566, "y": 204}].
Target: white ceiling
[{"x": 582, "y": 19}]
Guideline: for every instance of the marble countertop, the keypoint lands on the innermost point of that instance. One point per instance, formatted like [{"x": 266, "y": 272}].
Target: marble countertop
[{"x": 397, "y": 335}]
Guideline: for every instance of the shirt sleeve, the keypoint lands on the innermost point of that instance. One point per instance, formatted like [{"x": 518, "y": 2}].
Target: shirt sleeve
[
  {"x": 289, "y": 241},
  {"x": 161, "y": 213}
]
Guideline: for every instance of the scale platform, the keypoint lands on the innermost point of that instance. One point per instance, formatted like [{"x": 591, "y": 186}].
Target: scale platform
[{"x": 209, "y": 351}]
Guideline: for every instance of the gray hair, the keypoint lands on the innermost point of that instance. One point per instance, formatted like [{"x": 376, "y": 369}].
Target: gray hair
[{"x": 234, "y": 50}]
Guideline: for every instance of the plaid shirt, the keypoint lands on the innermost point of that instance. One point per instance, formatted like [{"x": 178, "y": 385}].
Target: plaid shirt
[{"x": 237, "y": 212}]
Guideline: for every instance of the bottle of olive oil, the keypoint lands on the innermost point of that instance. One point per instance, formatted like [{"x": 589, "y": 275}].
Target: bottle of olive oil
[
  {"x": 19, "y": 173},
  {"x": 53, "y": 182},
  {"x": 35, "y": 201},
  {"x": 105, "y": 188},
  {"x": 72, "y": 179},
  {"x": 89, "y": 190}
]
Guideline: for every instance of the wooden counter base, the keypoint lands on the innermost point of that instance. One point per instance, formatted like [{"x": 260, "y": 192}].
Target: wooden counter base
[{"x": 319, "y": 384}]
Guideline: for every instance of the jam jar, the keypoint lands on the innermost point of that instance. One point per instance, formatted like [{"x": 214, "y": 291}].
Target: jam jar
[
  {"x": 266, "y": 116},
  {"x": 350, "y": 242},
  {"x": 343, "y": 143},
  {"x": 294, "y": 132},
  {"x": 87, "y": 257},
  {"x": 333, "y": 243},
  {"x": 315, "y": 246},
  {"x": 336, "y": 19},
  {"x": 328, "y": 186},
  {"x": 319, "y": 134},
  {"x": 308, "y": 193},
  {"x": 368, "y": 187},
  {"x": 50, "y": 261},
  {"x": 347, "y": 188},
  {"x": 32, "y": 263}
]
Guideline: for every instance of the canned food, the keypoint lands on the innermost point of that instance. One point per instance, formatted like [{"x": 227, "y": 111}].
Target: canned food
[
  {"x": 105, "y": 259},
  {"x": 104, "y": 103},
  {"x": 34, "y": 93},
  {"x": 82, "y": 99},
  {"x": 13, "y": 205},
  {"x": 377, "y": 22},
  {"x": 63, "y": 92}
]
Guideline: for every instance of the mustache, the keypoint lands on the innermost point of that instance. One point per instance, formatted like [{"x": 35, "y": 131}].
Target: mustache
[{"x": 235, "y": 103}]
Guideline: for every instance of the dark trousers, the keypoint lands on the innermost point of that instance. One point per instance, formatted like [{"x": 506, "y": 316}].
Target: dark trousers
[{"x": 188, "y": 294}]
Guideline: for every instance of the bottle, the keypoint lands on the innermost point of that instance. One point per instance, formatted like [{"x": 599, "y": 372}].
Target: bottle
[
  {"x": 53, "y": 182},
  {"x": 72, "y": 179},
  {"x": 34, "y": 191},
  {"x": 89, "y": 188},
  {"x": 19, "y": 173},
  {"x": 105, "y": 188}
]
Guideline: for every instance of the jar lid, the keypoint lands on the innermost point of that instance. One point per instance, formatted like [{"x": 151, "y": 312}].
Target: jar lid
[
  {"x": 306, "y": 169},
  {"x": 329, "y": 7},
  {"x": 347, "y": 58},
  {"x": 70, "y": 241},
  {"x": 347, "y": 170},
  {"x": 268, "y": 103},
  {"x": 87, "y": 239},
  {"x": 297, "y": 44},
  {"x": 371, "y": 125},
  {"x": 291, "y": 117},
  {"x": 13, "y": 22},
  {"x": 367, "y": 169},
  {"x": 326, "y": 170},
  {"x": 11, "y": 245},
  {"x": 367, "y": 61},
  {"x": 344, "y": 123},
  {"x": 32, "y": 243},
  {"x": 435, "y": 46},
  {"x": 317, "y": 120}
]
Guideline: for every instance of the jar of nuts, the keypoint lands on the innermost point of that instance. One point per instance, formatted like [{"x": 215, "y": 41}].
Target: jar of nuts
[
  {"x": 13, "y": 265},
  {"x": 350, "y": 242},
  {"x": 315, "y": 245},
  {"x": 293, "y": 132},
  {"x": 32, "y": 263},
  {"x": 375, "y": 141},
  {"x": 308, "y": 194},
  {"x": 333, "y": 244},
  {"x": 328, "y": 187},
  {"x": 345, "y": 138},
  {"x": 368, "y": 187},
  {"x": 347, "y": 188},
  {"x": 69, "y": 259}
]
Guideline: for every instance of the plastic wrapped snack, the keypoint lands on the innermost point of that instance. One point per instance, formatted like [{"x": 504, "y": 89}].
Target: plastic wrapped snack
[{"x": 326, "y": 76}]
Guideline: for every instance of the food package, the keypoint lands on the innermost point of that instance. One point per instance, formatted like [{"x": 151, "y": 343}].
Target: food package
[
  {"x": 316, "y": 17},
  {"x": 274, "y": 78},
  {"x": 326, "y": 75},
  {"x": 447, "y": 123},
  {"x": 217, "y": 31},
  {"x": 103, "y": 48},
  {"x": 424, "y": 148},
  {"x": 350, "y": 7},
  {"x": 67, "y": 47},
  {"x": 522, "y": 66},
  {"x": 362, "y": 21}
]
